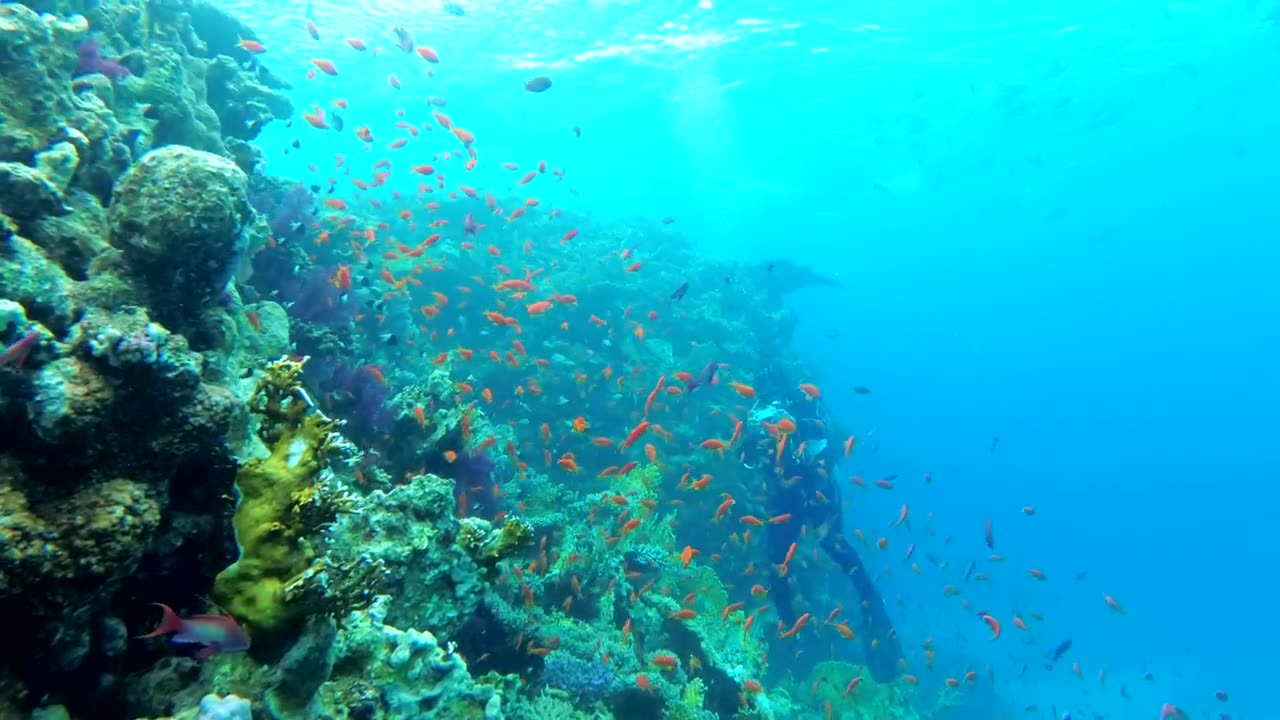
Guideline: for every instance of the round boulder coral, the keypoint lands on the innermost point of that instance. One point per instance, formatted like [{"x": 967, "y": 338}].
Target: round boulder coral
[{"x": 179, "y": 215}]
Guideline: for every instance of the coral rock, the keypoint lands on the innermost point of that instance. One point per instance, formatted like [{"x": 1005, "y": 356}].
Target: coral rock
[
  {"x": 180, "y": 217},
  {"x": 26, "y": 192},
  {"x": 30, "y": 277},
  {"x": 243, "y": 104}
]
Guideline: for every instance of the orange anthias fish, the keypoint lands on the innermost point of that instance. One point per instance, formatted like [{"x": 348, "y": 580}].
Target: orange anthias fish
[
  {"x": 635, "y": 434},
  {"x": 686, "y": 555}
]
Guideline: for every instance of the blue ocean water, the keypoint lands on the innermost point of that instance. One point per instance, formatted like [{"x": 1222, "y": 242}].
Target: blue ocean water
[{"x": 1056, "y": 225}]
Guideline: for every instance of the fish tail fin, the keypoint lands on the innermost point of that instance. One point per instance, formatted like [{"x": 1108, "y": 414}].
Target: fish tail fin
[{"x": 169, "y": 623}]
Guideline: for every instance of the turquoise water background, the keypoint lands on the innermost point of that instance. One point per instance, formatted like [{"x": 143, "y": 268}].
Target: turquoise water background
[{"x": 1057, "y": 223}]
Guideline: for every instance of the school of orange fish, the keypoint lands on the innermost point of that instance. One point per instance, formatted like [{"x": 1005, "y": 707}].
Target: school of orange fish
[{"x": 519, "y": 291}]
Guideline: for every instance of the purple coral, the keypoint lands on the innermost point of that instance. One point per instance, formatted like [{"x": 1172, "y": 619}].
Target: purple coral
[
  {"x": 582, "y": 679},
  {"x": 89, "y": 60},
  {"x": 316, "y": 298},
  {"x": 290, "y": 212},
  {"x": 354, "y": 394},
  {"x": 473, "y": 468}
]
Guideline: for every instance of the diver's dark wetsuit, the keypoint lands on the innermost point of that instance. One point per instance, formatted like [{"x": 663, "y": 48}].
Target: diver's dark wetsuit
[{"x": 799, "y": 497}]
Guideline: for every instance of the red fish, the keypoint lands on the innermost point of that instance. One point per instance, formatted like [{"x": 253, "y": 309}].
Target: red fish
[
  {"x": 993, "y": 624},
  {"x": 216, "y": 633},
  {"x": 325, "y": 66},
  {"x": 635, "y": 434},
  {"x": 17, "y": 353}
]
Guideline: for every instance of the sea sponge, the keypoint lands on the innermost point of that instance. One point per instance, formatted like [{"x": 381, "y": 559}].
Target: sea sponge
[{"x": 281, "y": 503}]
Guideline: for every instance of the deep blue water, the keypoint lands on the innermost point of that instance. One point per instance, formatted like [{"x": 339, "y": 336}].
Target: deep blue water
[{"x": 1056, "y": 223}]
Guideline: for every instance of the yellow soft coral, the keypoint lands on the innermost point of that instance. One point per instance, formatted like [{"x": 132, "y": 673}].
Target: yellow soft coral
[{"x": 279, "y": 504}]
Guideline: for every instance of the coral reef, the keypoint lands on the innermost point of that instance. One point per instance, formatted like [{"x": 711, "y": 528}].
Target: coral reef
[
  {"x": 581, "y": 679},
  {"x": 203, "y": 401},
  {"x": 868, "y": 701},
  {"x": 231, "y": 707},
  {"x": 123, "y": 403}
]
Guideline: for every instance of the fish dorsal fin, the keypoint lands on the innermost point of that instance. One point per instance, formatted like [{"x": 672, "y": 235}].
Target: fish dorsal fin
[{"x": 213, "y": 608}]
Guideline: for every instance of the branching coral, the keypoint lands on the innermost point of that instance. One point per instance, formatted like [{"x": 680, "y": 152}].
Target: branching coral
[{"x": 585, "y": 680}]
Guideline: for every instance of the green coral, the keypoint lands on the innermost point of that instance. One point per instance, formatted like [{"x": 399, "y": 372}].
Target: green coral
[
  {"x": 642, "y": 482},
  {"x": 868, "y": 701},
  {"x": 689, "y": 704},
  {"x": 487, "y": 545},
  {"x": 281, "y": 501},
  {"x": 548, "y": 705}
]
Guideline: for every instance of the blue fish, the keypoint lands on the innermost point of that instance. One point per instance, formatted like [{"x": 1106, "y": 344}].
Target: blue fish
[{"x": 704, "y": 378}]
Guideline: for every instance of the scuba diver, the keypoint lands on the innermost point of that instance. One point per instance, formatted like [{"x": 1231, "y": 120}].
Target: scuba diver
[{"x": 807, "y": 491}]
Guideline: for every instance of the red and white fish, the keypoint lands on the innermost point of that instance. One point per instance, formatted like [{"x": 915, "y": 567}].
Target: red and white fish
[{"x": 216, "y": 633}]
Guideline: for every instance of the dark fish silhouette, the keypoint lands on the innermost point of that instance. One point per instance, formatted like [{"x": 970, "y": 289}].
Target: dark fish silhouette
[
  {"x": 862, "y": 390},
  {"x": 336, "y": 121},
  {"x": 454, "y": 9},
  {"x": 577, "y": 131},
  {"x": 470, "y": 226},
  {"x": 404, "y": 40},
  {"x": 680, "y": 291},
  {"x": 668, "y": 220},
  {"x": 704, "y": 378},
  {"x": 1062, "y": 649},
  {"x": 538, "y": 84},
  {"x": 994, "y": 442}
]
